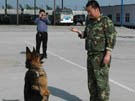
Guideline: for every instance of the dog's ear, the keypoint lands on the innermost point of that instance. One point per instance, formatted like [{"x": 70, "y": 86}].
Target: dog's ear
[
  {"x": 34, "y": 50},
  {"x": 28, "y": 50},
  {"x": 34, "y": 53},
  {"x": 28, "y": 53}
]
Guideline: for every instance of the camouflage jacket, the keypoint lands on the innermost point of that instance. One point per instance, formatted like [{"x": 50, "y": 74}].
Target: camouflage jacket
[{"x": 100, "y": 34}]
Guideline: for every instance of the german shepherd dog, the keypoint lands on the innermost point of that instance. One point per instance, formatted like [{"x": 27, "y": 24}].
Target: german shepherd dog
[{"x": 36, "y": 83}]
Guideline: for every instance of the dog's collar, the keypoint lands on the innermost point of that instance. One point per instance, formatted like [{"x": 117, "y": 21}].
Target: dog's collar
[
  {"x": 39, "y": 71},
  {"x": 35, "y": 68}
]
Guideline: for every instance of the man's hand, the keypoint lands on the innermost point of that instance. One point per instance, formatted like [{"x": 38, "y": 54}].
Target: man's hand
[
  {"x": 107, "y": 57},
  {"x": 76, "y": 30},
  {"x": 42, "y": 15},
  {"x": 73, "y": 29}
]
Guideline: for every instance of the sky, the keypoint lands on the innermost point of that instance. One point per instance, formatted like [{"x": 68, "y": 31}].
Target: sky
[{"x": 74, "y": 4}]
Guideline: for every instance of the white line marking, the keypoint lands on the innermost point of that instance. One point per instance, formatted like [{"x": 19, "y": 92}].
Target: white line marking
[
  {"x": 68, "y": 61},
  {"x": 122, "y": 86},
  {"x": 84, "y": 68}
]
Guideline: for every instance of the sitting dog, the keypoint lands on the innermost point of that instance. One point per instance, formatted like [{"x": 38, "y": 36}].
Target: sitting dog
[{"x": 36, "y": 83}]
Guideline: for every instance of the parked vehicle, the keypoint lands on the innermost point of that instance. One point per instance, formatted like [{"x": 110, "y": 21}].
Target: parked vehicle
[
  {"x": 64, "y": 16},
  {"x": 79, "y": 19}
]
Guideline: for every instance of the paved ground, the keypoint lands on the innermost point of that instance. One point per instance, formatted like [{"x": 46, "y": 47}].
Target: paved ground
[{"x": 66, "y": 64}]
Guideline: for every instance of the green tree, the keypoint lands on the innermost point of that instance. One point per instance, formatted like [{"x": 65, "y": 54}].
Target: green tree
[
  {"x": 9, "y": 6},
  {"x": 58, "y": 7},
  {"x": 68, "y": 9},
  {"x": 38, "y": 7},
  {"x": 28, "y": 7},
  {"x": 20, "y": 5},
  {"x": 84, "y": 9},
  {"x": 48, "y": 7},
  {"x": 2, "y": 6}
]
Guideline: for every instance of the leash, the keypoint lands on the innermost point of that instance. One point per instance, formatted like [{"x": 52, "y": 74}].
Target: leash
[
  {"x": 38, "y": 75},
  {"x": 37, "y": 71}
]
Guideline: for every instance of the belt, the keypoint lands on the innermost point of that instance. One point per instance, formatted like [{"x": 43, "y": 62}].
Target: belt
[
  {"x": 41, "y": 32},
  {"x": 95, "y": 53}
]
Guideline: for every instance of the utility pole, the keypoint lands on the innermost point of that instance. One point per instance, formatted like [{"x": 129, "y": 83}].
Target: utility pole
[
  {"x": 122, "y": 12},
  {"x": 54, "y": 13},
  {"x": 17, "y": 12},
  {"x": 35, "y": 8},
  {"x": 5, "y": 7},
  {"x": 62, "y": 5}
]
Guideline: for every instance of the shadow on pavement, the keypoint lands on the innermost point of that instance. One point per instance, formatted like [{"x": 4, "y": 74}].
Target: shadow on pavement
[
  {"x": 22, "y": 52},
  {"x": 10, "y": 100},
  {"x": 63, "y": 94}
]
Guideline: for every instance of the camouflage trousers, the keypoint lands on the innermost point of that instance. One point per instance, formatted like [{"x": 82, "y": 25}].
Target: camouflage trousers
[{"x": 98, "y": 77}]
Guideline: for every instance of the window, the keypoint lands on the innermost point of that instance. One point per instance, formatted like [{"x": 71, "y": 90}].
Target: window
[
  {"x": 118, "y": 17},
  {"x": 127, "y": 17}
]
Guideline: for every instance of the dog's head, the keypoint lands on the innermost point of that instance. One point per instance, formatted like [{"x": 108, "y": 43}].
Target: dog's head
[{"x": 33, "y": 58}]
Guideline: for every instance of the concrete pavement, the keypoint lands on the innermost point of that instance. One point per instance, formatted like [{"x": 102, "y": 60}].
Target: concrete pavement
[{"x": 66, "y": 64}]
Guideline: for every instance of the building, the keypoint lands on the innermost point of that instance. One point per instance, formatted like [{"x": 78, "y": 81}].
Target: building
[
  {"x": 26, "y": 16},
  {"x": 114, "y": 12}
]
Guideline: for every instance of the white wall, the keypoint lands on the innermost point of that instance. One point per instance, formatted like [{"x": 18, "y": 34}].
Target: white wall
[{"x": 113, "y": 10}]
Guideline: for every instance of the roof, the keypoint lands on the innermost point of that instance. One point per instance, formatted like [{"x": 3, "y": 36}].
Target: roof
[{"x": 119, "y": 5}]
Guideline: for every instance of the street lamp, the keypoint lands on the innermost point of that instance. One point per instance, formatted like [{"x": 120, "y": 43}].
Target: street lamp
[
  {"x": 54, "y": 14},
  {"x": 5, "y": 7},
  {"x": 35, "y": 8},
  {"x": 122, "y": 12},
  {"x": 17, "y": 12},
  {"x": 62, "y": 4}
]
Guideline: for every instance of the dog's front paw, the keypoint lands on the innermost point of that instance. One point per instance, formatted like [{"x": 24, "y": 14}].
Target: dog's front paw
[{"x": 34, "y": 87}]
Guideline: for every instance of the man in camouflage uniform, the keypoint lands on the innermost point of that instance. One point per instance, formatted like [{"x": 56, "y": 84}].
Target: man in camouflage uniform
[{"x": 100, "y": 36}]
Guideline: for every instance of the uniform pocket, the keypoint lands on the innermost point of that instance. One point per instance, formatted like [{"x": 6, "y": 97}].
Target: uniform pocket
[{"x": 98, "y": 44}]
